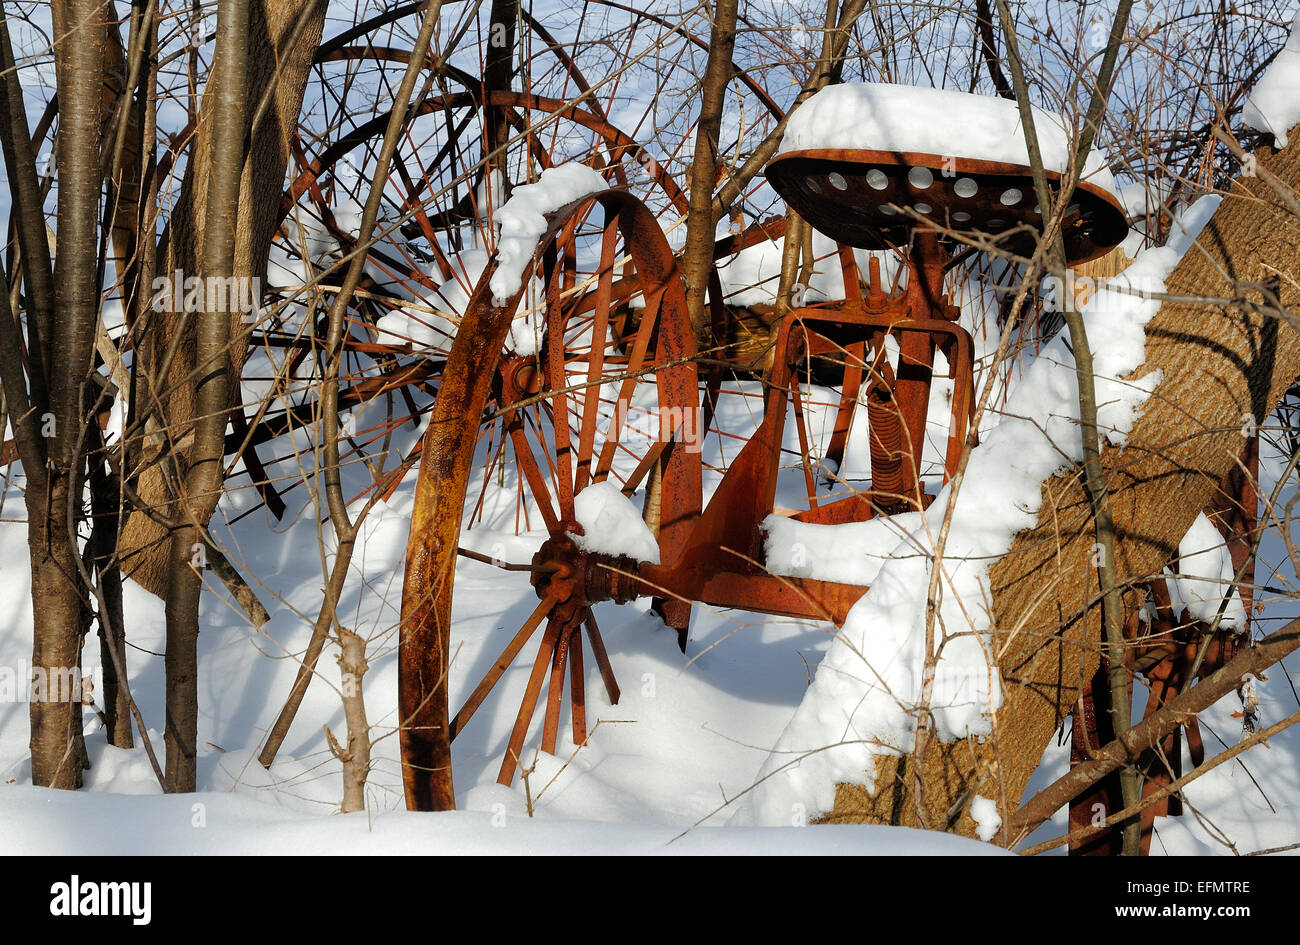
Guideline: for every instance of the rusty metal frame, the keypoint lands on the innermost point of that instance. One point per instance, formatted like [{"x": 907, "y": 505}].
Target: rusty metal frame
[{"x": 712, "y": 554}]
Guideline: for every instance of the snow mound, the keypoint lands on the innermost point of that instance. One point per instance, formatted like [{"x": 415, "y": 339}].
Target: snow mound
[
  {"x": 984, "y": 811},
  {"x": 852, "y": 553},
  {"x": 1273, "y": 105},
  {"x": 612, "y": 525},
  {"x": 879, "y": 116},
  {"x": 91, "y": 824},
  {"x": 867, "y": 693},
  {"x": 523, "y": 220},
  {"x": 1204, "y": 570}
]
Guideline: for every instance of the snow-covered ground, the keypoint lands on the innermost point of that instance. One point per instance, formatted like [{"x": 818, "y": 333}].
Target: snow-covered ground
[
  {"x": 687, "y": 740},
  {"x": 687, "y": 737},
  {"x": 225, "y": 823}
]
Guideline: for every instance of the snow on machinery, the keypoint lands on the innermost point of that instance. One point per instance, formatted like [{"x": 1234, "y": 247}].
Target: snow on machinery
[
  {"x": 608, "y": 401},
  {"x": 714, "y": 553}
]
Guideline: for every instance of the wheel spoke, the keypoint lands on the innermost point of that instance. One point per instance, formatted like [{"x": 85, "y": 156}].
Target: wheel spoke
[
  {"x": 596, "y": 360},
  {"x": 602, "y": 659},
  {"x": 500, "y": 666},
  {"x": 578, "y": 690},
  {"x": 650, "y": 458},
  {"x": 489, "y": 466},
  {"x": 529, "y": 705},
  {"x": 555, "y": 690},
  {"x": 413, "y": 202},
  {"x": 433, "y": 211},
  {"x": 536, "y": 482},
  {"x": 560, "y": 400},
  {"x": 623, "y": 404}
]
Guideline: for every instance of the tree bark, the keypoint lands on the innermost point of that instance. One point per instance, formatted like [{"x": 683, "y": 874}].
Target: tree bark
[
  {"x": 59, "y": 600},
  {"x": 59, "y": 627},
  {"x": 498, "y": 72},
  {"x": 356, "y": 757},
  {"x": 828, "y": 70},
  {"x": 212, "y": 387},
  {"x": 1219, "y": 362},
  {"x": 29, "y": 218},
  {"x": 106, "y": 513},
  {"x": 697, "y": 257},
  {"x": 279, "y": 49}
]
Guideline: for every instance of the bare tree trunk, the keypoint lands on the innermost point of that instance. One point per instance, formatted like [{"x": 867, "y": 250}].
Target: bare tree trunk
[
  {"x": 697, "y": 257},
  {"x": 59, "y": 626},
  {"x": 498, "y": 71},
  {"x": 828, "y": 70},
  {"x": 59, "y": 600},
  {"x": 123, "y": 145},
  {"x": 796, "y": 231},
  {"x": 989, "y": 50},
  {"x": 1219, "y": 363},
  {"x": 29, "y": 218},
  {"x": 203, "y": 475},
  {"x": 105, "y": 512},
  {"x": 282, "y": 37},
  {"x": 356, "y": 757}
]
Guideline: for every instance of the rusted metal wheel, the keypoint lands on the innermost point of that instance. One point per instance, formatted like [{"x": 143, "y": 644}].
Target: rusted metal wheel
[
  {"x": 436, "y": 222},
  {"x": 584, "y": 378}
]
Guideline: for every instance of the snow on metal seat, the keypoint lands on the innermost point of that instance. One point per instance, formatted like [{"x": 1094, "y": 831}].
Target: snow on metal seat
[{"x": 867, "y": 164}]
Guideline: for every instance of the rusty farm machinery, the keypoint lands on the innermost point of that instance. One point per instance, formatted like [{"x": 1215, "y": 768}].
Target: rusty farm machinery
[{"x": 545, "y": 384}]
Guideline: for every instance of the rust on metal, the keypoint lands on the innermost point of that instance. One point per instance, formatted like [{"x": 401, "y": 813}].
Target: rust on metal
[
  {"x": 876, "y": 199},
  {"x": 1165, "y": 650},
  {"x": 447, "y": 451},
  {"x": 560, "y": 570},
  {"x": 715, "y": 554}
]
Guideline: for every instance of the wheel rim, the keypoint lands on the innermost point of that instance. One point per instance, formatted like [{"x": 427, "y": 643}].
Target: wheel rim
[
  {"x": 563, "y": 417},
  {"x": 419, "y": 263}
]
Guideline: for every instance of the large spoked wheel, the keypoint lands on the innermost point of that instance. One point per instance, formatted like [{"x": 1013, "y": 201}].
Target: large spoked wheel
[
  {"x": 583, "y": 380},
  {"x": 436, "y": 223}
]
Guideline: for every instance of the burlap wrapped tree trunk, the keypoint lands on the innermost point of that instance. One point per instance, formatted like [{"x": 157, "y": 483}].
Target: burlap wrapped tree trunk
[{"x": 1219, "y": 363}]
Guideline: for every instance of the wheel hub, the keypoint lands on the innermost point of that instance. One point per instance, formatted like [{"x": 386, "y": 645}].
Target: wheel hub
[
  {"x": 572, "y": 575},
  {"x": 520, "y": 377}
]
